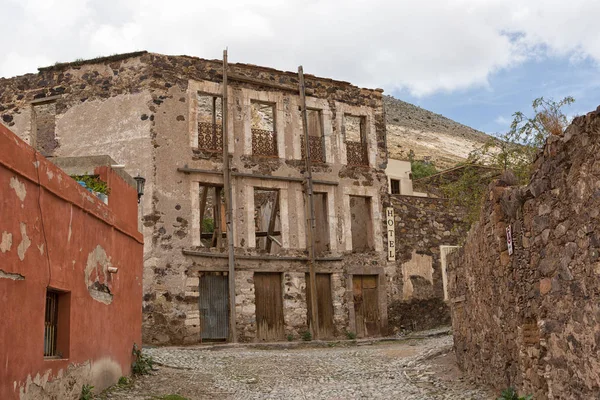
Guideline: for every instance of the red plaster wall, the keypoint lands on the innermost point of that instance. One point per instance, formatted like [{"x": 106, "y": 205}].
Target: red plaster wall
[{"x": 75, "y": 223}]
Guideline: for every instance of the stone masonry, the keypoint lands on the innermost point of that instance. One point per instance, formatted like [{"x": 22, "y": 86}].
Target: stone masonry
[
  {"x": 416, "y": 283},
  {"x": 531, "y": 319},
  {"x": 143, "y": 110}
]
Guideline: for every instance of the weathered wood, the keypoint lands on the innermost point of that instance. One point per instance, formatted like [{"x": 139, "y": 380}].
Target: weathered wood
[
  {"x": 269, "y": 306},
  {"x": 259, "y": 82},
  {"x": 229, "y": 205},
  {"x": 246, "y": 175},
  {"x": 218, "y": 232},
  {"x": 366, "y": 305},
  {"x": 324, "y": 304},
  {"x": 310, "y": 205},
  {"x": 271, "y": 238},
  {"x": 272, "y": 220},
  {"x": 203, "y": 207}
]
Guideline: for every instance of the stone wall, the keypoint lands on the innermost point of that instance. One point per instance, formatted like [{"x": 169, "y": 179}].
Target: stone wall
[
  {"x": 415, "y": 291},
  {"x": 532, "y": 319}
]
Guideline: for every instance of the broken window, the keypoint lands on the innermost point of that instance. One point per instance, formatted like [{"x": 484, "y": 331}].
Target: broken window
[
  {"x": 56, "y": 324},
  {"x": 315, "y": 136},
  {"x": 210, "y": 120},
  {"x": 322, "y": 223},
  {"x": 361, "y": 224},
  {"x": 264, "y": 136},
  {"x": 44, "y": 117},
  {"x": 267, "y": 220},
  {"x": 353, "y": 129},
  {"x": 212, "y": 216},
  {"x": 395, "y": 186}
]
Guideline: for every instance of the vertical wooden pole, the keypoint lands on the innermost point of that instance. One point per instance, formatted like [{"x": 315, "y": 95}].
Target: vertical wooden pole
[
  {"x": 228, "y": 205},
  {"x": 310, "y": 225}
]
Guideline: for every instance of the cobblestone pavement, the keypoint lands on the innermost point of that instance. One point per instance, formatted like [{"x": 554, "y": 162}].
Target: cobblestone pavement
[{"x": 409, "y": 369}]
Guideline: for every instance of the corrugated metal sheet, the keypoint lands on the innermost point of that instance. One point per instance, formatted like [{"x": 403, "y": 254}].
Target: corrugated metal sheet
[{"x": 214, "y": 309}]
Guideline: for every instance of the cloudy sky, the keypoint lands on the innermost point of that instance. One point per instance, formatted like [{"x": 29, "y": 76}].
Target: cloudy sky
[{"x": 475, "y": 61}]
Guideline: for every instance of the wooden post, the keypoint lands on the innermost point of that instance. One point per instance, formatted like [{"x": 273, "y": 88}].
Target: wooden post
[
  {"x": 229, "y": 206},
  {"x": 310, "y": 225}
]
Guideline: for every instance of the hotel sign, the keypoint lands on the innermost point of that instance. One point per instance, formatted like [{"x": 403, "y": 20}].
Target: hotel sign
[{"x": 391, "y": 233}]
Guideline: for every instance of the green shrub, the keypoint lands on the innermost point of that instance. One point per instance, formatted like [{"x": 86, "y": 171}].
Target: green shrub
[
  {"x": 306, "y": 336},
  {"x": 142, "y": 365},
  {"x": 86, "y": 392},
  {"x": 123, "y": 381},
  {"x": 208, "y": 225},
  {"x": 350, "y": 335},
  {"x": 290, "y": 337},
  {"x": 93, "y": 182},
  {"x": 511, "y": 394}
]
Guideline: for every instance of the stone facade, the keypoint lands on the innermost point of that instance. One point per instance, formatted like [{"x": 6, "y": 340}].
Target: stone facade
[
  {"x": 142, "y": 109},
  {"x": 531, "y": 319},
  {"x": 423, "y": 226}
]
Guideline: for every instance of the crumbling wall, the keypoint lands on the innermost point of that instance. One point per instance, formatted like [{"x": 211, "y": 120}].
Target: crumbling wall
[
  {"x": 141, "y": 109},
  {"x": 532, "y": 319},
  {"x": 415, "y": 291}
]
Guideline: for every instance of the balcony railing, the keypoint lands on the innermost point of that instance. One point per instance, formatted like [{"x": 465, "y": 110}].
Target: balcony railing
[
  {"x": 210, "y": 137},
  {"x": 264, "y": 143},
  {"x": 356, "y": 153},
  {"x": 317, "y": 149}
]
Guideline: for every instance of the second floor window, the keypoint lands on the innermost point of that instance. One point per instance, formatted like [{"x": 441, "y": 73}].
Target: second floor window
[
  {"x": 315, "y": 136},
  {"x": 354, "y": 131},
  {"x": 210, "y": 128},
  {"x": 264, "y": 135}
]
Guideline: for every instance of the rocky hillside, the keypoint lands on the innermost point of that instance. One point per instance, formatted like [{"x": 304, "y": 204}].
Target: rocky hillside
[{"x": 429, "y": 135}]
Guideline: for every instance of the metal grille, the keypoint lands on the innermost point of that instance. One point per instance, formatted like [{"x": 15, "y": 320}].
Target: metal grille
[
  {"x": 264, "y": 143},
  {"x": 317, "y": 153},
  {"x": 214, "y": 306},
  {"x": 356, "y": 153},
  {"x": 50, "y": 324},
  {"x": 210, "y": 136}
]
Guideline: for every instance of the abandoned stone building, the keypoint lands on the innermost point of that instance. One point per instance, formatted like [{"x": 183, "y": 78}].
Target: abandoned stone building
[
  {"x": 525, "y": 288},
  {"x": 161, "y": 117}
]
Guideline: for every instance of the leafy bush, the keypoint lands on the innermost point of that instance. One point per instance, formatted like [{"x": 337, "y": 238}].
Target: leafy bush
[
  {"x": 511, "y": 394},
  {"x": 421, "y": 169},
  {"x": 290, "y": 337},
  {"x": 86, "y": 392},
  {"x": 93, "y": 182},
  {"x": 350, "y": 335},
  {"x": 142, "y": 365},
  {"x": 123, "y": 381},
  {"x": 208, "y": 225},
  {"x": 306, "y": 336}
]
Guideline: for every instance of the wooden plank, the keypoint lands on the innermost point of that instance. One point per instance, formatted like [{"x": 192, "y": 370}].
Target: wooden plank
[
  {"x": 272, "y": 220},
  {"x": 269, "y": 306},
  {"x": 358, "y": 306},
  {"x": 324, "y": 304},
  {"x": 203, "y": 207}
]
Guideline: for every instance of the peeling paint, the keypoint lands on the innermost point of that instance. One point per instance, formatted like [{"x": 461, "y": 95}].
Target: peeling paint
[
  {"x": 70, "y": 224},
  {"x": 25, "y": 242},
  {"x": 50, "y": 174},
  {"x": 6, "y": 242},
  {"x": 41, "y": 248},
  {"x": 419, "y": 265},
  {"x": 10, "y": 275},
  {"x": 19, "y": 188},
  {"x": 97, "y": 287}
]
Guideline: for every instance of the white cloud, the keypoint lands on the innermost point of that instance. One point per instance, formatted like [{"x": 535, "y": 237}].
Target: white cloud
[
  {"x": 502, "y": 121},
  {"x": 424, "y": 47}
]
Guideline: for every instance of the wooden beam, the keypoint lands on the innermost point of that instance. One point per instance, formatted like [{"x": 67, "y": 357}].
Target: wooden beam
[
  {"x": 272, "y": 220},
  {"x": 187, "y": 170},
  {"x": 259, "y": 82}
]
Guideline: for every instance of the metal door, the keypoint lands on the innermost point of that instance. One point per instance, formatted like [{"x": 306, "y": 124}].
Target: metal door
[
  {"x": 324, "y": 304},
  {"x": 269, "y": 306},
  {"x": 366, "y": 305},
  {"x": 214, "y": 306}
]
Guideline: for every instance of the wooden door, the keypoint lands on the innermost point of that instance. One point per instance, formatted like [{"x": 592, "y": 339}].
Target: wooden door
[
  {"x": 324, "y": 305},
  {"x": 366, "y": 305},
  {"x": 214, "y": 306},
  {"x": 269, "y": 306}
]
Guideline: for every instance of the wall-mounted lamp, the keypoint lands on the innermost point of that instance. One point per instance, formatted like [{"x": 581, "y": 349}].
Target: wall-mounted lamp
[{"x": 140, "y": 182}]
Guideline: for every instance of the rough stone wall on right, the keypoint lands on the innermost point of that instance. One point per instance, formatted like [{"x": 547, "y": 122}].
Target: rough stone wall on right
[{"x": 531, "y": 319}]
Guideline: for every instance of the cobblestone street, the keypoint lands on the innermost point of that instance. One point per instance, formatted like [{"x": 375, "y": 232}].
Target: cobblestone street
[{"x": 417, "y": 368}]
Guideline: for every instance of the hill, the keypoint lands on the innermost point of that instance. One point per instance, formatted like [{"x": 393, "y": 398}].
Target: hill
[{"x": 430, "y": 136}]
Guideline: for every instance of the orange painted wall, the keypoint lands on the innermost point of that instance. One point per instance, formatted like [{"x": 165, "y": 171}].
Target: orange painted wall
[{"x": 63, "y": 224}]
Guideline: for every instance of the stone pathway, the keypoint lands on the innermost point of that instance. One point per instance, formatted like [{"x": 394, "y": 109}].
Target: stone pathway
[{"x": 417, "y": 368}]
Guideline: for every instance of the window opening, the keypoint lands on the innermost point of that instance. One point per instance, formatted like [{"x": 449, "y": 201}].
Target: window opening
[
  {"x": 353, "y": 129},
  {"x": 210, "y": 122},
  {"x": 212, "y": 216},
  {"x": 264, "y": 137},
  {"x": 267, "y": 220},
  {"x": 315, "y": 136},
  {"x": 395, "y": 186}
]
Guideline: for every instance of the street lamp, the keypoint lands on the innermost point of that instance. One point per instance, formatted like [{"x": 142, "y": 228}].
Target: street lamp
[{"x": 140, "y": 181}]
